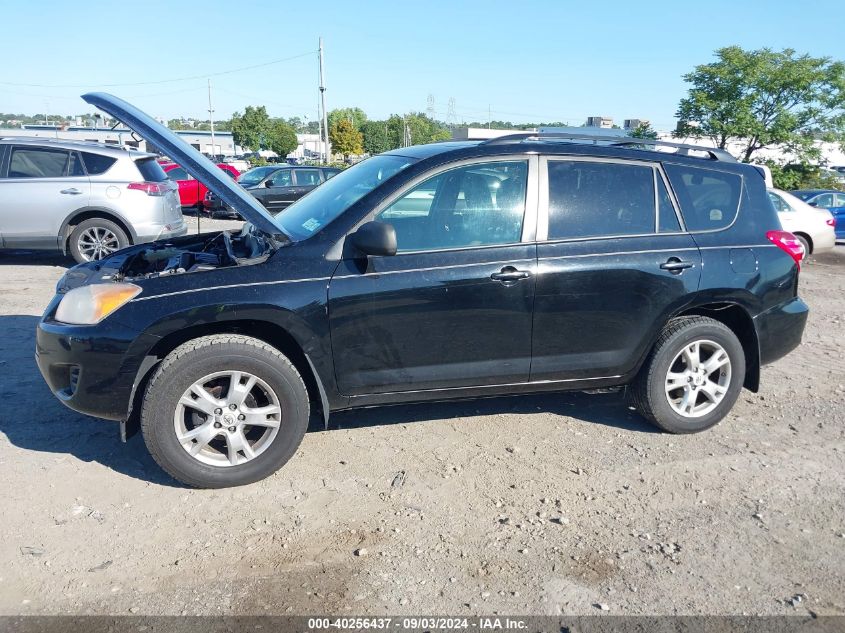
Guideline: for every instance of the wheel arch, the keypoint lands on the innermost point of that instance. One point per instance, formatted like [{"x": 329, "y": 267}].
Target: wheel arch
[
  {"x": 86, "y": 213},
  {"x": 807, "y": 237},
  {"x": 270, "y": 333},
  {"x": 740, "y": 322}
]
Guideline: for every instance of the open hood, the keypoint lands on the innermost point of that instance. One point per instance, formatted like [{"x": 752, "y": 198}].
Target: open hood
[{"x": 195, "y": 163}]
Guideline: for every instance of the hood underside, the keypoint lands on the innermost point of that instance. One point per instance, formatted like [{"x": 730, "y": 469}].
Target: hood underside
[{"x": 195, "y": 163}]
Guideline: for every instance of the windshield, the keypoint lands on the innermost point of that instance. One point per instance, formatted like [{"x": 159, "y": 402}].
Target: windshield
[
  {"x": 311, "y": 213},
  {"x": 254, "y": 176}
]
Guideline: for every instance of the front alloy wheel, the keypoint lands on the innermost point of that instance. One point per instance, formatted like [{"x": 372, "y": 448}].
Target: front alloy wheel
[{"x": 224, "y": 410}]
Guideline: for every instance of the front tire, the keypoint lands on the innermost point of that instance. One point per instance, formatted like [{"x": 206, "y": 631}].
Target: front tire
[
  {"x": 224, "y": 410},
  {"x": 693, "y": 376}
]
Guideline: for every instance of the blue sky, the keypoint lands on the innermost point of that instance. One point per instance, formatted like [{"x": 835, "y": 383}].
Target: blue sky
[{"x": 526, "y": 61}]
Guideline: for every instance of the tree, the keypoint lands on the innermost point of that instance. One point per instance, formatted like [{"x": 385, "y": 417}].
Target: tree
[
  {"x": 763, "y": 97},
  {"x": 644, "y": 130},
  {"x": 345, "y": 138},
  {"x": 377, "y": 137},
  {"x": 281, "y": 138},
  {"x": 356, "y": 115},
  {"x": 250, "y": 129}
]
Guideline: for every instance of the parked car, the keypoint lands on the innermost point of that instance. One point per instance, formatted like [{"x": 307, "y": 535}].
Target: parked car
[
  {"x": 85, "y": 199},
  {"x": 192, "y": 191},
  {"x": 542, "y": 263},
  {"x": 814, "y": 227},
  {"x": 830, "y": 199},
  {"x": 275, "y": 186}
]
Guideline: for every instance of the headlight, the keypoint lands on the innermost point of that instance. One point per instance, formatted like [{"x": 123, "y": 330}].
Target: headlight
[{"x": 88, "y": 305}]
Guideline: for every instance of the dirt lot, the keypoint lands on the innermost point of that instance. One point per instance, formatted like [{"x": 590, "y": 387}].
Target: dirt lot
[{"x": 533, "y": 505}]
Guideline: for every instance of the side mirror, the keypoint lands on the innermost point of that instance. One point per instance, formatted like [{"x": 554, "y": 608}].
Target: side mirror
[
  {"x": 375, "y": 238},
  {"x": 268, "y": 183},
  {"x": 813, "y": 204}
]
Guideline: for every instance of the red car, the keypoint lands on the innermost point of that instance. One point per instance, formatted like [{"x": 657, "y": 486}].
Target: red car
[{"x": 192, "y": 191}]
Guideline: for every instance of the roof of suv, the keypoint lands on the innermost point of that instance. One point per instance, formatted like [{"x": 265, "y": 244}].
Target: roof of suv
[{"x": 100, "y": 148}]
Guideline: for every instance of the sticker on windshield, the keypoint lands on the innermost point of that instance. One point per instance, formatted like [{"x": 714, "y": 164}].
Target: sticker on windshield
[{"x": 311, "y": 225}]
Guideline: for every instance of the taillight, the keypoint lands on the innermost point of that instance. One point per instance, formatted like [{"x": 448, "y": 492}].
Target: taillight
[
  {"x": 831, "y": 222},
  {"x": 787, "y": 242},
  {"x": 151, "y": 188}
]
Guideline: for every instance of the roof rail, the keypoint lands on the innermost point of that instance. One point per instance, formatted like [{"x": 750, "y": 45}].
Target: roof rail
[{"x": 683, "y": 149}]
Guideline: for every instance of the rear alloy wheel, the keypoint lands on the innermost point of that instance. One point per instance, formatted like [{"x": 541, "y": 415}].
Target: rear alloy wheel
[
  {"x": 806, "y": 244},
  {"x": 95, "y": 239},
  {"x": 224, "y": 410},
  {"x": 692, "y": 377}
]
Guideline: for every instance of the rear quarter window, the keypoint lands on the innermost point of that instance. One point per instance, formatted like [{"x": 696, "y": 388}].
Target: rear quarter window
[
  {"x": 150, "y": 170},
  {"x": 709, "y": 199},
  {"x": 97, "y": 164}
]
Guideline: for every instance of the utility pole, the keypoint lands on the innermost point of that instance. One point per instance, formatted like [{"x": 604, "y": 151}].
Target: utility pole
[
  {"x": 323, "y": 102},
  {"x": 489, "y": 116},
  {"x": 211, "y": 121}
]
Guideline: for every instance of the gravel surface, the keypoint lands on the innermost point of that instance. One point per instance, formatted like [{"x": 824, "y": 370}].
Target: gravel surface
[{"x": 562, "y": 503}]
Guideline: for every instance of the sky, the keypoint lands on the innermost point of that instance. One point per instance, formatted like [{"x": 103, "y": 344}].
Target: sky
[{"x": 520, "y": 61}]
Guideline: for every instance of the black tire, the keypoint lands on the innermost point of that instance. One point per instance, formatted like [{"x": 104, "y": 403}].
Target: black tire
[
  {"x": 97, "y": 225},
  {"x": 648, "y": 392},
  {"x": 808, "y": 250},
  {"x": 196, "y": 359}
]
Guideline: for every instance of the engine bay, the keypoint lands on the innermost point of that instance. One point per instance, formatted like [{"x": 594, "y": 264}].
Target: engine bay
[{"x": 221, "y": 250}]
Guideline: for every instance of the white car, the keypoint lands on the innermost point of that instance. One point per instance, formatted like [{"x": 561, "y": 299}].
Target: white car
[{"x": 814, "y": 227}]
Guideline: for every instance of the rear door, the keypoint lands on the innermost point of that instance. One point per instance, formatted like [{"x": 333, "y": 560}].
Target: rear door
[
  {"x": 613, "y": 263},
  {"x": 838, "y": 211},
  {"x": 279, "y": 192},
  {"x": 453, "y": 307},
  {"x": 40, "y": 187}
]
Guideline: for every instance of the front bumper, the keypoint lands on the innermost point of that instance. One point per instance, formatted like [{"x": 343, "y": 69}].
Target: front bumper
[
  {"x": 91, "y": 369},
  {"x": 779, "y": 329}
]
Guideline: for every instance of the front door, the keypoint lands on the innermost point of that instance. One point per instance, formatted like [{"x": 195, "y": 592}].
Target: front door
[
  {"x": 41, "y": 187},
  {"x": 453, "y": 307},
  {"x": 613, "y": 264}
]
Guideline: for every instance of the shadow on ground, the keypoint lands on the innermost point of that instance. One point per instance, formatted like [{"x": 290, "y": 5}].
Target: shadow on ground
[
  {"x": 49, "y": 427},
  {"x": 35, "y": 258}
]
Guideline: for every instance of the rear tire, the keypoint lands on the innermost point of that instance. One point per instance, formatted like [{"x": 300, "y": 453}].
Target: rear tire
[
  {"x": 806, "y": 244},
  {"x": 693, "y": 376},
  {"x": 224, "y": 410},
  {"x": 96, "y": 238}
]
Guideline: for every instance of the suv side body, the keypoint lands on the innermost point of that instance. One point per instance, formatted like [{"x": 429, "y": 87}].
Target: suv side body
[
  {"x": 515, "y": 267},
  {"x": 40, "y": 209}
]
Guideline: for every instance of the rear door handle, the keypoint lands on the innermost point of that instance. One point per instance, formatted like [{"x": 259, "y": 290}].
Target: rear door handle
[
  {"x": 676, "y": 265},
  {"x": 73, "y": 191},
  {"x": 509, "y": 273}
]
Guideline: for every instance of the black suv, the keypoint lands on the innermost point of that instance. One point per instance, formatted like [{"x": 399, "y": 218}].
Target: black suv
[
  {"x": 522, "y": 264},
  {"x": 274, "y": 186}
]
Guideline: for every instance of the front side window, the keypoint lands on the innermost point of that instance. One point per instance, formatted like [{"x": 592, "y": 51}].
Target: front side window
[
  {"x": 281, "y": 178},
  {"x": 825, "y": 200},
  {"x": 38, "y": 163},
  {"x": 476, "y": 205},
  {"x": 592, "y": 199}
]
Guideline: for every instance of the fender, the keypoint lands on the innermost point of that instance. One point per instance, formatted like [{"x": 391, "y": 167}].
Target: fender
[{"x": 61, "y": 238}]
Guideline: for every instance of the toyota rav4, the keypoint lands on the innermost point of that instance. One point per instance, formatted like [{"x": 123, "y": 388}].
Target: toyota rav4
[{"x": 521, "y": 264}]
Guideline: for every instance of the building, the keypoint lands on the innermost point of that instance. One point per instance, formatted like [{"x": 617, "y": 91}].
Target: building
[
  {"x": 605, "y": 122},
  {"x": 309, "y": 147},
  {"x": 482, "y": 133},
  {"x": 633, "y": 124}
]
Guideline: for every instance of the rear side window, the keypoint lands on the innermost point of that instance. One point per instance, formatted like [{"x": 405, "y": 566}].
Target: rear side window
[
  {"x": 150, "y": 170},
  {"x": 38, "y": 163},
  {"x": 97, "y": 164},
  {"x": 591, "y": 199},
  {"x": 307, "y": 177},
  {"x": 709, "y": 199}
]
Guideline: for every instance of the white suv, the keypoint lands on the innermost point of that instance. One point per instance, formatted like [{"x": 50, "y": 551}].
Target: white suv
[{"x": 86, "y": 199}]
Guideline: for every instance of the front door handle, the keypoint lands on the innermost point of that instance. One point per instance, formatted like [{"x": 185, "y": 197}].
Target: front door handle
[
  {"x": 509, "y": 273},
  {"x": 73, "y": 191},
  {"x": 676, "y": 265}
]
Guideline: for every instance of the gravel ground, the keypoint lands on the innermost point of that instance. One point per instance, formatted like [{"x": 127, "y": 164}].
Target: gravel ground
[{"x": 547, "y": 504}]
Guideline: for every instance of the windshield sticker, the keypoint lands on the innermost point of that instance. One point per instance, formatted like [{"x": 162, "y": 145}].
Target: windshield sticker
[{"x": 311, "y": 225}]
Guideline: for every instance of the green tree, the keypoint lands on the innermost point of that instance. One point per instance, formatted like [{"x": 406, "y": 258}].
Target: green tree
[
  {"x": 281, "y": 138},
  {"x": 801, "y": 176},
  {"x": 644, "y": 130},
  {"x": 250, "y": 129},
  {"x": 345, "y": 139},
  {"x": 764, "y": 97},
  {"x": 355, "y": 115},
  {"x": 377, "y": 138}
]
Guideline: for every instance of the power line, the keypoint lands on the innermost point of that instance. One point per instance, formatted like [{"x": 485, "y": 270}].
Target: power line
[{"x": 163, "y": 81}]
